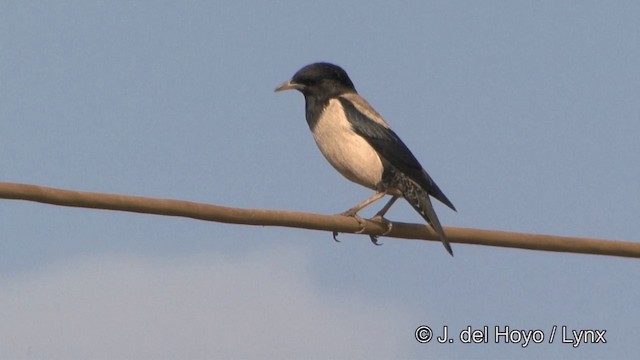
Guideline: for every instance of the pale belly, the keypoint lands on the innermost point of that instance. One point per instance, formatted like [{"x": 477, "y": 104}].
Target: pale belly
[{"x": 347, "y": 152}]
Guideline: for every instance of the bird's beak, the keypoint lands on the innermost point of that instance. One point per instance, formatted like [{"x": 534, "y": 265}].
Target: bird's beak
[{"x": 288, "y": 85}]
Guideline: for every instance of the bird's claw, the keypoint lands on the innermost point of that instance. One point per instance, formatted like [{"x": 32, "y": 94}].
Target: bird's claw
[
  {"x": 384, "y": 221},
  {"x": 374, "y": 238},
  {"x": 353, "y": 214}
]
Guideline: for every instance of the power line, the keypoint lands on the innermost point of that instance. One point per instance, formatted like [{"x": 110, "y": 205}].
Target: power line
[{"x": 304, "y": 220}]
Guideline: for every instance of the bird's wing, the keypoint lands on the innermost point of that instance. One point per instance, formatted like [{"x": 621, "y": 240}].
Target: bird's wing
[{"x": 367, "y": 123}]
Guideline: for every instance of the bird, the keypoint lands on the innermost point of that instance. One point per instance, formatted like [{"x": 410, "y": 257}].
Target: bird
[{"x": 360, "y": 145}]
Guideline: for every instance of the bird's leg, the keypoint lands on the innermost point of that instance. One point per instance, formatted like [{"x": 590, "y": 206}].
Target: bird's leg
[
  {"x": 380, "y": 214},
  {"x": 353, "y": 212},
  {"x": 386, "y": 208}
]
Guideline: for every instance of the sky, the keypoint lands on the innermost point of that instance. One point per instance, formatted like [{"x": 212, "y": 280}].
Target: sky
[{"x": 526, "y": 114}]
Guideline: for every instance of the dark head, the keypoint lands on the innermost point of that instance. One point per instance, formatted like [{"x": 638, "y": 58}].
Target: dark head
[{"x": 321, "y": 80}]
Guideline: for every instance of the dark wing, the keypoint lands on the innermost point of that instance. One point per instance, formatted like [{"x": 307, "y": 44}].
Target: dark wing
[{"x": 389, "y": 146}]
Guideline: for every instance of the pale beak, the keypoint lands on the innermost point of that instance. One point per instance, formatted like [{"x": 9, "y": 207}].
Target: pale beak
[{"x": 288, "y": 85}]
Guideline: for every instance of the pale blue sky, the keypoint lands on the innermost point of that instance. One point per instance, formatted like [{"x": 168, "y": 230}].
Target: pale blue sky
[{"x": 526, "y": 114}]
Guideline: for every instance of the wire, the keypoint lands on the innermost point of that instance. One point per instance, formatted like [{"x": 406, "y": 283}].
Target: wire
[{"x": 337, "y": 223}]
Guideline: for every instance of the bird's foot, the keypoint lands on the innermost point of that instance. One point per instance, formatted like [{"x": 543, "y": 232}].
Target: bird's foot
[
  {"x": 383, "y": 220},
  {"x": 380, "y": 218},
  {"x": 353, "y": 213}
]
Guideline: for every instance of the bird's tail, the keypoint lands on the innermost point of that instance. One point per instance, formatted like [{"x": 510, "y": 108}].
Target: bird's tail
[{"x": 420, "y": 201}]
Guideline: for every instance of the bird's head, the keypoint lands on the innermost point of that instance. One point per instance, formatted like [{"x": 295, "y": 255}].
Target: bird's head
[{"x": 320, "y": 80}]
